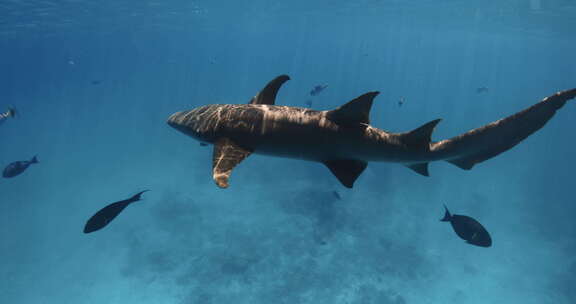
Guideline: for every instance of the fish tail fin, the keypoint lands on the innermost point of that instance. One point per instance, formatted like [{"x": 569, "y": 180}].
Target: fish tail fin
[
  {"x": 480, "y": 144},
  {"x": 34, "y": 160},
  {"x": 12, "y": 112},
  {"x": 447, "y": 215},
  {"x": 136, "y": 196}
]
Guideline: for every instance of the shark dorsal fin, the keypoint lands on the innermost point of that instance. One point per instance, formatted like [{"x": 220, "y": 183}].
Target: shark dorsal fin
[
  {"x": 355, "y": 112},
  {"x": 419, "y": 138},
  {"x": 346, "y": 170},
  {"x": 268, "y": 94},
  {"x": 227, "y": 154}
]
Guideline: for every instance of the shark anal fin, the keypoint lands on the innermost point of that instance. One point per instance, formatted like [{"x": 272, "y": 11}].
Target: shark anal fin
[
  {"x": 464, "y": 163},
  {"x": 355, "y": 112},
  {"x": 268, "y": 94},
  {"x": 419, "y": 138},
  {"x": 227, "y": 155},
  {"x": 346, "y": 170},
  {"x": 421, "y": 168}
]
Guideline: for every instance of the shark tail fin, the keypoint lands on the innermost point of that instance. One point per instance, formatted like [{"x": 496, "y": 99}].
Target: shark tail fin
[
  {"x": 447, "y": 216},
  {"x": 483, "y": 143},
  {"x": 34, "y": 160}
]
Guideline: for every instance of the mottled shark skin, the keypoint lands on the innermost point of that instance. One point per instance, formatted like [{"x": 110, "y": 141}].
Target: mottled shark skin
[{"x": 343, "y": 139}]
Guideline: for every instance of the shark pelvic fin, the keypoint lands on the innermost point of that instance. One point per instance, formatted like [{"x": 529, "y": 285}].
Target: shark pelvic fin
[
  {"x": 268, "y": 94},
  {"x": 346, "y": 170},
  {"x": 355, "y": 112},
  {"x": 227, "y": 155},
  {"x": 421, "y": 168},
  {"x": 419, "y": 138}
]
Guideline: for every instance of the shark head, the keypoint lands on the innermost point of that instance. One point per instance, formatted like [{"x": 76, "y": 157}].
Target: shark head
[{"x": 196, "y": 123}]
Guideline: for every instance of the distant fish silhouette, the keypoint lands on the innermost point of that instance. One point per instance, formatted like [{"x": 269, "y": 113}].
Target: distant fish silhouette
[
  {"x": 482, "y": 90},
  {"x": 17, "y": 167},
  {"x": 318, "y": 89},
  {"x": 336, "y": 195},
  {"x": 96, "y": 82},
  {"x": 108, "y": 213},
  {"x": 401, "y": 101},
  {"x": 309, "y": 103},
  {"x": 468, "y": 229},
  {"x": 11, "y": 112}
]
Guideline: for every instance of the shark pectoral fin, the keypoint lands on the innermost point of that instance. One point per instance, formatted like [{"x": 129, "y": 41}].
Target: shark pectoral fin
[
  {"x": 421, "y": 168},
  {"x": 354, "y": 112},
  {"x": 268, "y": 94},
  {"x": 227, "y": 155},
  {"x": 347, "y": 171},
  {"x": 419, "y": 138}
]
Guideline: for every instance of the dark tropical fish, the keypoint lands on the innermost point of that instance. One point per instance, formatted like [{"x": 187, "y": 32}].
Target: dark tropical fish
[
  {"x": 318, "y": 89},
  {"x": 401, "y": 101},
  {"x": 468, "y": 229},
  {"x": 108, "y": 213},
  {"x": 11, "y": 112},
  {"x": 482, "y": 90},
  {"x": 18, "y": 167},
  {"x": 342, "y": 139}
]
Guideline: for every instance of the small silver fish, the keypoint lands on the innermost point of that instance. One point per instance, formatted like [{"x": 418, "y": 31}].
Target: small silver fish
[{"x": 11, "y": 112}]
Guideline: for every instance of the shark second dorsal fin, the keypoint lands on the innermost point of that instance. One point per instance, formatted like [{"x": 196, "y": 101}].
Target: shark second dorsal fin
[
  {"x": 419, "y": 138},
  {"x": 355, "y": 112},
  {"x": 227, "y": 155},
  {"x": 268, "y": 94},
  {"x": 346, "y": 170}
]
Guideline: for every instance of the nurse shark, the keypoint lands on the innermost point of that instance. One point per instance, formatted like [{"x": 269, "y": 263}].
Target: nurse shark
[{"x": 343, "y": 139}]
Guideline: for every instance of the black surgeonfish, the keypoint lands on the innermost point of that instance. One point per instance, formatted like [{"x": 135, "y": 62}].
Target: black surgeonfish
[
  {"x": 468, "y": 229},
  {"x": 108, "y": 213},
  {"x": 18, "y": 167}
]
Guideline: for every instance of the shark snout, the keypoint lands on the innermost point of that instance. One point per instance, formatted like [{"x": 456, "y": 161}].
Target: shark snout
[{"x": 175, "y": 120}]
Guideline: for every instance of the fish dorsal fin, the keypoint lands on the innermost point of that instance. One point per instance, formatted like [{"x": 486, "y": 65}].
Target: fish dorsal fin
[
  {"x": 346, "y": 170},
  {"x": 421, "y": 168},
  {"x": 268, "y": 94},
  {"x": 355, "y": 112},
  {"x": 227, "y": 154},
  {"x": 419, "y": 138}
]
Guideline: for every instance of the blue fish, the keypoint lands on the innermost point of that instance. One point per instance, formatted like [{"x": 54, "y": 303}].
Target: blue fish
[
  {"x": 17, "y": 167},
  {"x": 317, "y": 89}
]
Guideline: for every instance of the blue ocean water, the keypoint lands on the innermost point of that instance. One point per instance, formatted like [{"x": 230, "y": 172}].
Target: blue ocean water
[{"x": 95, "y": 81}]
